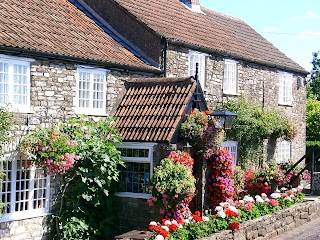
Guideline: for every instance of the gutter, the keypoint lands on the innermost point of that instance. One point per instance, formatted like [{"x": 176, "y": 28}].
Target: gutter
[
  {"x": 236, "y": 56},
  {"x": 69, "y": 59}
]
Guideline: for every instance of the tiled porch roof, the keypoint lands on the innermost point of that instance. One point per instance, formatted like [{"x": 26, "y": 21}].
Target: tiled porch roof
[{"x": 152, "y": 108}]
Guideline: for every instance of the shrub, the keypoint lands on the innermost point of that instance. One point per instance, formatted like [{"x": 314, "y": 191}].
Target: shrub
[
  {"x": 172, "y": 186},
  {"x": 86, "y": 207}
]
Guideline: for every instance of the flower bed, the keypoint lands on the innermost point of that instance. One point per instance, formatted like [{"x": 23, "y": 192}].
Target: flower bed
[{"x": 228, "y": 215}]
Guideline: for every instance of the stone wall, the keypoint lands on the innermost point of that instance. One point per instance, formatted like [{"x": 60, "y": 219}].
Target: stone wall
[
  {"x": 258, "y": 83},
  {"x": 53, "y": 94},
  {"x": 27, "y": 229},
  {"x": 270, "y": 226}
]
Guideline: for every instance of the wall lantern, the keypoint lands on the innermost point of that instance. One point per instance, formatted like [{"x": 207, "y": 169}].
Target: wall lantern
[
  {"x": 186, "y": 147},
  {"x": 223, "y": 119}
]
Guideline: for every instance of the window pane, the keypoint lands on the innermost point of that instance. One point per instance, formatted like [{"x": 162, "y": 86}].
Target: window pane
[
  {"x": 98, "y": 86},
  {"x": 134, "y": 177},
  {"x": 84, "y": 90},
  {"x": 20, "y": 84},
  {"x": 4, "y": 78},
  {"x": 230, "y": 78}
]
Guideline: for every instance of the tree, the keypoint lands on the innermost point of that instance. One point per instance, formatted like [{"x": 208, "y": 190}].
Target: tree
[{"x": 313, "y": 89}]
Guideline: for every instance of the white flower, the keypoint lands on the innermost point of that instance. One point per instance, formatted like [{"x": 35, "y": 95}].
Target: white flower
[
  {"x": 159, "y": 237},
  {"x": 167, "y": 222},
  {"x": 233, "y": 209},
  {"x": 175, "y": 222},
  {"x": 248, "y": 198},
  {"x": 165, "y": 228},
  {"x": 277, "y": 191},
  {"x": 275, "y": 195},
  {"x": 267, "y": 200},
  {"x": 153, "y": 223},
  {"x": 222, "y": 204},
  {"x": 288, "y": 198},
  {"x": 263, "y": 195},
  {"x": 294, "y": 190},
  {"x": 206, "y": 212},
  {"x": 241, "y": 201},
  {"x": 259, "y": 199},
  {"x": 283, "y": 189},
  {"x": 221, "y": 214},
  {"x": 205, "y": 219},
  {"x": 218, "y": 209},
  {"x": 186, "y": 221}
]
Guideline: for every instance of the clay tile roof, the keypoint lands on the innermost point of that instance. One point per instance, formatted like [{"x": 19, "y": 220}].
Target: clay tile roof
[
  {"x": 152, "y": 108},
  {"x": 212, "y": 31},
  {"x": 58, "y": 27}
]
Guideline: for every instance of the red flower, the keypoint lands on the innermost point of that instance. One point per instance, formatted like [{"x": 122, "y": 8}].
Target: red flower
[
  {"x": 197, "y": 213},
  {"x": 273, "y": 202},
  {"x": 197, "y": 218},
  {"x": 173, "y": 227},
  {"x": 234, "y": 226},
  {"x": 214, "y": 217}
]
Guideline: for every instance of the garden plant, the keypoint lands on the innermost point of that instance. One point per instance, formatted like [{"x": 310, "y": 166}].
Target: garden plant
[{"x": 80, "y": 153}]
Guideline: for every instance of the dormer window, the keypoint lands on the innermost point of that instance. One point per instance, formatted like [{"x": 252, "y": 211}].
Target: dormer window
[{"x": 193, "y": 5}]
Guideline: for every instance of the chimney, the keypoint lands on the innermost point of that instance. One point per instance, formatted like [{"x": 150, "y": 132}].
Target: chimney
[{"x": 193, "y": 5}]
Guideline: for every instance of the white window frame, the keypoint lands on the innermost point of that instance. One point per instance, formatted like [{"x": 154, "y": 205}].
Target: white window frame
[
  {"x": 149, "y": 159},
  {"x": 232, "y": 146},
  {"x": 285, "y": 81},
  {"x": 284, "y": 151},
  {"x": 32, "y": 212},
  {"x": 11, "y": 61},
  {"x": 90, "y": 110},
  {"x": 199, "y": 58},
  {"x": 230, "y": 77}
]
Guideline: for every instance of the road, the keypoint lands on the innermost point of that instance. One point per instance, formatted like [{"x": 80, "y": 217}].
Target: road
[{"x": 307, "y": 231}]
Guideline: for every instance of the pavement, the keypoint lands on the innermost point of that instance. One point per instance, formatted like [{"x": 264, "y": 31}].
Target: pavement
[{"x": 307, "y": 231}]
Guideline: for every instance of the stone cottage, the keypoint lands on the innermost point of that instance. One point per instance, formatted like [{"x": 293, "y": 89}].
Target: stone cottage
[
  {"x": 52, "y": 52},
  {"x": 233, "y": 60},
  {"x": 51, "y": 56}
]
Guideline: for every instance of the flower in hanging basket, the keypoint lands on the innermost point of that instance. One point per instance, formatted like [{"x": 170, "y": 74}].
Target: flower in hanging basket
[{"x": 54, "y": 152}]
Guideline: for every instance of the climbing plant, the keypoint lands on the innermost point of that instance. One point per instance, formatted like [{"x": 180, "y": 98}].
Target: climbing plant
[{"x": 255, "y": 124}]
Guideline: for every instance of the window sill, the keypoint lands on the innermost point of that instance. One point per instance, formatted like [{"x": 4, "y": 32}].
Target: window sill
[
  {"x": 285, "y": 104},
  {"x": 92, "y": 114},
  {"x": 231, "y": 94},
  {"x": 22, "y": 216},
  {"x": 133, "y": 195}
]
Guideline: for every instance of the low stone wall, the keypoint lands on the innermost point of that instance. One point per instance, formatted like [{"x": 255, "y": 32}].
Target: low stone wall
[
  {"x": 272, "y": 225},
  {"x": 27, "y": 229}
]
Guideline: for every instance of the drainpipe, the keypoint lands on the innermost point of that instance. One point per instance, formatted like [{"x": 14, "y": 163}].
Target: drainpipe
[{"x": 164, "y": 56}]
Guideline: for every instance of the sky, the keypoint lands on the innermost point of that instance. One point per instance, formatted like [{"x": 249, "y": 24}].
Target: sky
[{"x": 292, "y": 26}]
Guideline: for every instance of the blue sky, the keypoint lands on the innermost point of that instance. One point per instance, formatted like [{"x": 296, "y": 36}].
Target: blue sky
[{"x": 293, "y": 26}]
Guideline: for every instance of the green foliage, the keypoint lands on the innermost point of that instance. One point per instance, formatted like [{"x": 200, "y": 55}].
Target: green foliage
[
  {"x": 6, "y": 123},
  {"x": 255, "y": 124},
  {"x": 313, "y": 120},
  {"x": 313, "y": 88},
  {"x": 172, "y": 184},
  {"x": 86, "y": 209},
  {"x": 238, "y": 182}
]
